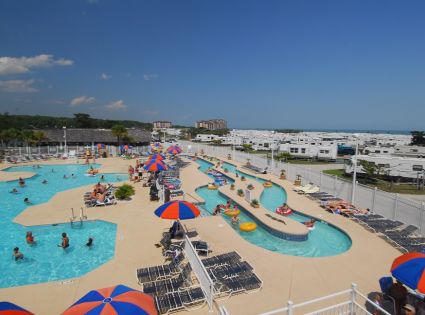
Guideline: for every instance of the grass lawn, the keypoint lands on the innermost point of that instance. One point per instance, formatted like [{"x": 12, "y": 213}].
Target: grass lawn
[{"x": 380, "y": 184}]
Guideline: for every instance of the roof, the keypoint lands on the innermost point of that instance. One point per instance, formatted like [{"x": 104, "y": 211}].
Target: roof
[{"x": 94, "y": 135}]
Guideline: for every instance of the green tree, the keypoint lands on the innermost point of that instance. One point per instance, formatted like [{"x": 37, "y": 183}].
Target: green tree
[
  {"x": 370, "y": 168},
  {"x": 283, "y": 156},
  {"x": 83, "y": 120},
  {"x": 120, "y": 132},
  {"x": 418, "y": 138},
  {"x": 247, "y": 147}
]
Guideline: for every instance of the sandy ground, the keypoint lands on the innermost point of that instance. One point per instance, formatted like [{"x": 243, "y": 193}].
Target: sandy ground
[{"x": 284, "y": 277}]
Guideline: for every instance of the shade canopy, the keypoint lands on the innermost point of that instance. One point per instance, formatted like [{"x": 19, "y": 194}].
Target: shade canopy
[
  {"x": 116, "y": 300},
  {"x": 154, "y": 166},
  {"x": 409, "y": 270},
  {"x": 177, "y": 210},
  {"x": 7, "y": 308}
]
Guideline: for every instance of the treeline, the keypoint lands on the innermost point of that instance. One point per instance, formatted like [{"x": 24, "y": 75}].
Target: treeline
[
  {"x": 418, "y": 138},
  {"x": 192, "y": 132},
  {"x": 80, "y": 120},
  {"x": 288, "y": 130}
]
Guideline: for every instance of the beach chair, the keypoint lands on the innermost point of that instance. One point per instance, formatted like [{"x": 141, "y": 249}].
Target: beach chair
[
  {"x": 180, "y": 300},
  {"x": 170, "y": 284},
  {"x": 306, "y": 187},
  {"x": 161, "y": 271},
  {"x": 223, "y": 259},
  {"x": 314, "y": 189},
  {"x": 229, "y": 271}
]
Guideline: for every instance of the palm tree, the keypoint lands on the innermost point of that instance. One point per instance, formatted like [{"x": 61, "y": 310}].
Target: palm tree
[{"x": 120, "y": 132}]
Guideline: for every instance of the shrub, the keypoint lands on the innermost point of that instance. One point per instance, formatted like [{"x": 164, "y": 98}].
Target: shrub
[
  {"x": 240, "y": 192},
  {"x": 243, "y": 178},
  {"x": 124, "y": 192},
  {"x": 250, "y": 186},
  {"x": 255, "y": 203},
  {"x": 232, "y": 186}
]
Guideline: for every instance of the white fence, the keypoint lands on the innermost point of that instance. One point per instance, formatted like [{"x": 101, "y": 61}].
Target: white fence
[
  {"x": 201, "y": 273},
  {"x": 60, "y": 150},
  {"x": 392, "y": 206},
  {"x": 353, "y": 302}
]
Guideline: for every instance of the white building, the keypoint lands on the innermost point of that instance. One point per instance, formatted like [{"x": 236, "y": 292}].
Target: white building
[
  {"x": 391, "y": 165},
  {"x": 410, "y": 151},
  {"x": 207, "y": 138},
  {"x": 378, "y": 150},
  {"x": 312, "y": 150}
]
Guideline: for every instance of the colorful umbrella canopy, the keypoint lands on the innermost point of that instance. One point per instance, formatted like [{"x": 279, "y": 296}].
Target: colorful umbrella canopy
[
  {"x": 409, "y": 269},
  {"x": 177, "y": 210},
  {"x": 117, "y": 300},
  {"x": 154, "y": 166},
  {"x": 156, "y": 157},
  {"x": 174, "y": 148},
  {"x": 7, "y": 308}
]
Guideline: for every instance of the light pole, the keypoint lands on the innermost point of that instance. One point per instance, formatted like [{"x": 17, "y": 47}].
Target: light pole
[
  {"x": 353, "y": 191},
  {"x": 64, "y": 136}
]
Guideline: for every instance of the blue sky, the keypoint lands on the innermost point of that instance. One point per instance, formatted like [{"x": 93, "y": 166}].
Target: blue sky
[{"x": 259, "y": 64}]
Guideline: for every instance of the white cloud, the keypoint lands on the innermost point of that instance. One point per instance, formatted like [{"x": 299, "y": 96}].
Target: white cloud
[
  {"x": 105, "y": 76},
  {"x": 82, "y": 100},
  {"x": 18, "y": 86},
  {"x": 149, "y": 76},
  {"x": 116, "y": 105},
  {"x": 12, "y": 65}
]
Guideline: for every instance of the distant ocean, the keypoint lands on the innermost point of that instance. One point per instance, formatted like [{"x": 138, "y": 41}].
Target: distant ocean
[{"x": 390, "y": 132}]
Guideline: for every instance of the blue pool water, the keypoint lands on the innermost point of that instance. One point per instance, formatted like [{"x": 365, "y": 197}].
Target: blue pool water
[
  {"x": 324, "y": 240},
  {"x": 45, "y": 261}
]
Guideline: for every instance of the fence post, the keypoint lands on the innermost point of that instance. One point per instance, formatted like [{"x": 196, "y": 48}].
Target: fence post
[
  {"x": 395, "y": 206},
  {"x": 290, "y": 309},
  {"x": 353, "y": 297},
  {"x": 320, "y": 180},
  {"x": 421, "y": 222},
  {"x": 335, "y": 179},
  {"x": 373, "y": 199}
]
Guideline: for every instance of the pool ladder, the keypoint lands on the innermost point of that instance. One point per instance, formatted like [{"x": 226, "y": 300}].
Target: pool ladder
[{"x": 74, "y": 219}]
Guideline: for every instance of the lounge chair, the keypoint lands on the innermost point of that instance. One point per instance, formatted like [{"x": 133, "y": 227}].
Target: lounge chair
[
  {"x": 306, "y": 187},
  {"x": 180, "y": 300},
  {"x": 223, "y": 259},
  {"x": 183, "y": 280},
  {"x": 229, "y": 271},
  {"x": 107, "y": 202},
  {"x": 161, "y": 271},
  {"x": 311, "y": 190}
]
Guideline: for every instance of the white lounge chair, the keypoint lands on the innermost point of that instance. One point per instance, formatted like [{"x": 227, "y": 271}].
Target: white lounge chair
[
  {"x": 312, "y": 190},
  {"x": 305, "y": 187}
]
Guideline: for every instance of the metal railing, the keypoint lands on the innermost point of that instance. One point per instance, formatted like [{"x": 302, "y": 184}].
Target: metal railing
[
  {"x": 354, "y": 302},
  {"x": 392, "y": 206}
]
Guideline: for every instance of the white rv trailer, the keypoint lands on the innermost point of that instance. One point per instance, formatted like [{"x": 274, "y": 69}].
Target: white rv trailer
[{"x": 395, "y": 166}]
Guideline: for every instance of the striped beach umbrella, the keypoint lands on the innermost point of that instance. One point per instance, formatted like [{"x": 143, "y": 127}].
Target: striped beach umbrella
[
  {"x": 154, "y": 166},
  {"x": 177, "y": 210},
  {"x": 117, "y": 300},
  {"x": 174, "y": 150},
  {"x": 159, "y": 157},
  {"x": 7, "y": 308},
  {"x": 409, "y": 269}
]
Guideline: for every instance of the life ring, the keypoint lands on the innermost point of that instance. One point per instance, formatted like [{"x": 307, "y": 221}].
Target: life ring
[
  {"x": 248, "y": 226},
  {"x": 283, "y": 212},
  {"x": 212, "y": 187},
  {"x": 232, "y": 212},
  {"x": 268, "y": 184}
]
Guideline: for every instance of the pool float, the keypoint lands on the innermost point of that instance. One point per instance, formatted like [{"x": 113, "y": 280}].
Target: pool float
[
  {"x": 212, "y": 186},
  {"x": 248, "y": 226},
  {"x": 283, "y": 212},
  {"x": 309, "y": 225},
  {"x": 232, "y": 212},
  {"x": 268, "y": 184}
]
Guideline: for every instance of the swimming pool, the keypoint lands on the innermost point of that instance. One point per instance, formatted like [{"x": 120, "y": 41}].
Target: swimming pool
[
  {"x": 44, "y": 261},
  {"x": 324, "y": 240}
]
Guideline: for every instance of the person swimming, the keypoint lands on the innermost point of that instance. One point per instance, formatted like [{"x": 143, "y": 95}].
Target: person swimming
[
  {"x": 21, "y": 182},
  {"x": 30, "y": 238},
  {"x": 44, "y": 181},
  {"x": 102, "y": 177},
  {"x": 235, "y": 219},
  {"x": 89, "y": 242},
  {"x": 27, "y": 201},
  {"x": 17, "y": 254},
  {"x": 65, "y": 241},
  {"x": 14, "y": 191}
]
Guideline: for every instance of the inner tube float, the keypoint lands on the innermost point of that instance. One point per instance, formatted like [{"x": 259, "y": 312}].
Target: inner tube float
[
  {"x": 283, "y": 212},
  {"x": 248, "y": 226},
  {"x": 309, "y": 225},
  {"x": 268, "y": 184},
  {"x": 212, "y": 186},
  {"x": 232, "y": 212},
  {"x": 92, "y": 172}
]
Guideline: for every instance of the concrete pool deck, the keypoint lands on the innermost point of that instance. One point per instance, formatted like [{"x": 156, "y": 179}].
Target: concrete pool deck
[{"x": 284, "y": 277}]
